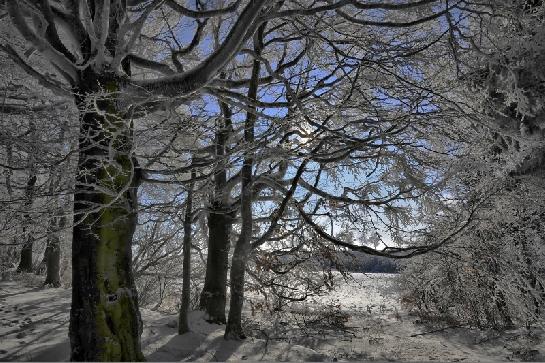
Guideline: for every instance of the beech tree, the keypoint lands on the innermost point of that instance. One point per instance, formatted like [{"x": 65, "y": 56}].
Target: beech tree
[
  {"x": 306, "y": 93},
  {"x": 491, "y": 276},
  {"x": 89, "y": 45},
  {"x": 273, "y": 80},
  {"x": 34, "y": 147}
]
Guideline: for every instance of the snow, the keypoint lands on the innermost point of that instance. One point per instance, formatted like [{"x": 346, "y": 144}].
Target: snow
[
  {"x": 373, "y": 326},
  {"x": 33, "y": 322}
]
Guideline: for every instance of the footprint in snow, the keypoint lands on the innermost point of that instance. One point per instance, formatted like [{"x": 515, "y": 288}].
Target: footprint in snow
[{"x": 20, "y": 335}]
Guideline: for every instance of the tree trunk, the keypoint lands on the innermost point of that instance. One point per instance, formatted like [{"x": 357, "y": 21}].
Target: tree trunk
[
  {"x": 53, "y": 253},
  {"x": 56, "y": 223},
  {"x": 105, "y": 322},
  {"x": 183, "y": 324},
  {"x": 51, "y": 235},
  {"x": 53, "y": 277},
  {"x": 42, "y": 266},
  {"x": 214, "y": 294},
  {"x": 25, "y": 263},
  {"x": 234, "y": 330}
]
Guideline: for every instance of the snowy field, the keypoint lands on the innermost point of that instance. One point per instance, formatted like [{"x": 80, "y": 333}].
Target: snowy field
[{"x": 361, "y": 320}]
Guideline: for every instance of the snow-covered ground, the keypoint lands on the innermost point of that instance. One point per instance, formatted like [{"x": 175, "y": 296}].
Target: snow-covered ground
[{"x": 361, "y": 320}]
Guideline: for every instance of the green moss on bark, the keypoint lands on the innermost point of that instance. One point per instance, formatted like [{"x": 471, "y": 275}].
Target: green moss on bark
[
  {"x": 117, "y": 311},
  {"x": 113, "y": 324}
]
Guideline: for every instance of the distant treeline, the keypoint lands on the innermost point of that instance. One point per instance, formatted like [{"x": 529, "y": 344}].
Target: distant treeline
[{"x": 361, "y": 262}]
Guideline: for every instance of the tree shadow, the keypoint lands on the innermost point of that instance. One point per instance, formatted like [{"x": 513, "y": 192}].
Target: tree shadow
[
  {"x": 194, "y": 346},
  {"x": 59, "y": 352},
  {"x": 55, "y": 312},
  {"x": 21, "y": 292},
  {"x": 38, "y": 353}
]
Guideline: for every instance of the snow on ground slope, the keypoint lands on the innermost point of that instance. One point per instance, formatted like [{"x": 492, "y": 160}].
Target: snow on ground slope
[
  {"x": 34, "y": 327},
  {"x": 33, "y": 322},
  {"x": 205, "y": 343},
  {"x": 360, "y": 320},
  {"x": 378, "y": 329}
]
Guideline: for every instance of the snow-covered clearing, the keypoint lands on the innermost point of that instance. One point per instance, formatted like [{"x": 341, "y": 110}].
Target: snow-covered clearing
[{"x": 361, "y": 320}]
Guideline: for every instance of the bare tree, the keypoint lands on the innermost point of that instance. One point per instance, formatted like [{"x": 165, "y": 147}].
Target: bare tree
[
  {"x": 183, "y": 323},
  {"x": 335, "y": 88}
]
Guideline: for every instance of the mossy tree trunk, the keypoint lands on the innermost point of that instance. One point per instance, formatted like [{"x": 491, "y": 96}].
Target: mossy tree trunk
[
  {"x": 214, "y": 294},
  {"x": 183, "y": 323},
  {"x": 105, "y": 322}
]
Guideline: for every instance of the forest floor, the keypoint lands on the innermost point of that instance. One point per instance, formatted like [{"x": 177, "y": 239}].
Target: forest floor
[{"x": 360, "y": 320}]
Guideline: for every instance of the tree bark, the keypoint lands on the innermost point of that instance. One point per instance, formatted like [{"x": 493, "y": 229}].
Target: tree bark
[
  {"x": 214, "y": 294},
  {"x": 25, "y": 263},
  {"x": 105, "y": 322},
  {"x": 234, "y": 330},
  {"x": 183, "y": 324},
  {"x": 42, "y": 266},
  {"x": 53, "y": 253}
]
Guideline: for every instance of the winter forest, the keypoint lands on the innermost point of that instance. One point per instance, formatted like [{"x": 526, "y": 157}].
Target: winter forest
[{"x": 281, "y": 180}]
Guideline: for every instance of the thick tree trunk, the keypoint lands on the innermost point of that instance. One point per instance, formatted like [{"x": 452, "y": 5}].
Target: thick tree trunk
[
  {"x": 105, "y": 322},
  {"x": 234, "y": 330},
  {"x": 183, "y": 324},
  {"x": 214, "y": 294},
  {"x": 25, "y": 263}
]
